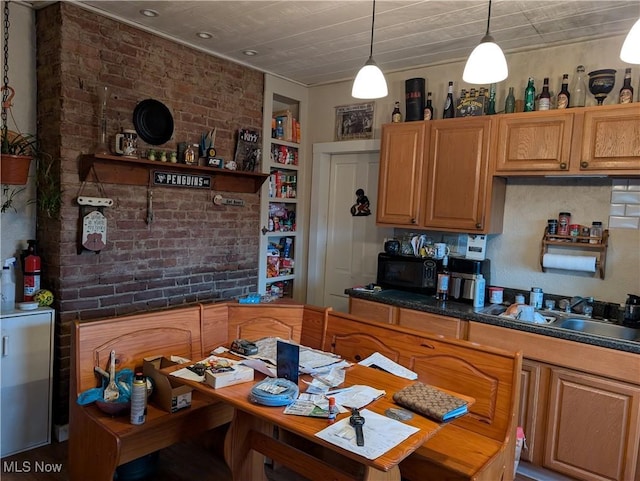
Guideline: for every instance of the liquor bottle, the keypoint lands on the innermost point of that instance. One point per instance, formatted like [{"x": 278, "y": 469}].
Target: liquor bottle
[
  {"x": 544, "y": 102},
  {"x": 510, "y": 102},
  {"x": 396, "y": 115},
  {"x": 626, "y": 92},
  {"x": 428, "y": 109},
  {"x": 448, "y": 112},
  {"x": 529, "y": 96},
  {"x": 442, "y": 291},
  {"x": 491, "y": 107},
  {"x": 579, "y": 88},
  {"x": 564, "y": 96}
]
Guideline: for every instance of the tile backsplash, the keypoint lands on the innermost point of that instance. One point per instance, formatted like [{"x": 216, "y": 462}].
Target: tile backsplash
[{"x": 624, "y": 212}]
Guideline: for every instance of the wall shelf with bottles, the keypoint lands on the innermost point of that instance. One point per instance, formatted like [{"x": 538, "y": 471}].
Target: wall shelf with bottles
[
  {"x": 114, "y": 169},
  {"x": 595, "y": 245}
]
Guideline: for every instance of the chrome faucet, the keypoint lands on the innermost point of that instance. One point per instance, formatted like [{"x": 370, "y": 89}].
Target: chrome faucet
[{"x": 572, "y": 304}]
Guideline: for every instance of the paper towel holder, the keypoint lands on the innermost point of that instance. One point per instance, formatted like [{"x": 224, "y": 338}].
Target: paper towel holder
[{"x": 597, "y": 245}]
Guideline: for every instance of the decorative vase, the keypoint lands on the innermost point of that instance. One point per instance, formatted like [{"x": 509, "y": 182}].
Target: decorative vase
[
  {"x": 601, "y": 82},
  {"x": 15, "y": 169},
  {"x": 103, "y": 96}
]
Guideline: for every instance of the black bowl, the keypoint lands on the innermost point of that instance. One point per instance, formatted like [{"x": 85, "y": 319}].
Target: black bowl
[{"x": 601, "y": 82}]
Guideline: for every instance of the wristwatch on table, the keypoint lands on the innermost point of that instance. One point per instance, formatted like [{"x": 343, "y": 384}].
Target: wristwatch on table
[{"x": 357, "y": 421}]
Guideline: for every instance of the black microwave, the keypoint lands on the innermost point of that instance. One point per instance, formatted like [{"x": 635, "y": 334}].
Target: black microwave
[{"x": 408, "y": 273}]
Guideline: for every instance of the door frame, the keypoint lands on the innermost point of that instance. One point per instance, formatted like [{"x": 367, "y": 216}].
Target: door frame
[{"x": 318, "y": 225}]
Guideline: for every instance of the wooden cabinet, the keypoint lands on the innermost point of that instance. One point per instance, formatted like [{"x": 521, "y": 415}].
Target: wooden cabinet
[
  {"x": 581, "y": 419},
  {"x": 460, "y": 193},
  {"x": 533, "y": 141},
  {"x": 611, "y": 139},
  {"x": 533, "y": 393},
  {"x": 600, "y": 140},
  {"x": 373, "y": 311},
  {"x": 593, "y": 427},
  {"x": 401, "y": 161},
  {"x": 433, "y": 323}
]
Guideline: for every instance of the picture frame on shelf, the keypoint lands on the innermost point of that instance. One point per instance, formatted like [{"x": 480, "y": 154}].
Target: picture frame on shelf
[{"x": 354, "y": 121}]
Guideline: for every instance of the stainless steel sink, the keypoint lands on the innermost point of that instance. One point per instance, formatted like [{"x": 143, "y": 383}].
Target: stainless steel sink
[
  {"x": 599, "y": 328},
  {"x": 493, "y": 310}
]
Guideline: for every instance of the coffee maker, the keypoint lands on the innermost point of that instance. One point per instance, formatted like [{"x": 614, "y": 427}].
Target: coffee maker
[
  {"x": 463, "y": 276},
  {"x": 632, "y": 311}
]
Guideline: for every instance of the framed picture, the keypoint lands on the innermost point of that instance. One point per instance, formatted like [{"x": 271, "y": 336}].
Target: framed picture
[{"x": 354, "y": 121}]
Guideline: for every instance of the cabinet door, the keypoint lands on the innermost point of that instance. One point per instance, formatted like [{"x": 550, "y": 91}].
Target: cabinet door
[
  {"x": 611, "y": 139},
  {"x": 401, "y": 157},
  {"x": 593, "y": 427},
  {"x": 457, "y": 180},
  {"x": 533, "y": 142},
  {"x": 433, "y": 323},
  {"x": 372, "y": 311},
  {"x": 533, "y": 400},
  {"x": 25, "y": 366}
]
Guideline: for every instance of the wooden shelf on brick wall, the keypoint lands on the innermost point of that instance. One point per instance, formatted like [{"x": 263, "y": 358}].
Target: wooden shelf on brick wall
[{"x": 113, "y": 169}]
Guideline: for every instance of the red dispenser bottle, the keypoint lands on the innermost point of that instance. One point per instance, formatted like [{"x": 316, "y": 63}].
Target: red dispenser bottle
[{"x": 31, "y": 275}]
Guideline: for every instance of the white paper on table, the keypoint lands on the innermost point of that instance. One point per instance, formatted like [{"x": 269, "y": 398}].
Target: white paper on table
[
  {"x": 357, "y": 396},
  {"x": 378, "y": 360},
  {"x": 380, "y": 434},
  {"x": 260, "y": 366}
]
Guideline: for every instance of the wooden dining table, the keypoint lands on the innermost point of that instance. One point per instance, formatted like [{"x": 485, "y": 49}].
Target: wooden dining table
[{"x": 251, "y": 434}]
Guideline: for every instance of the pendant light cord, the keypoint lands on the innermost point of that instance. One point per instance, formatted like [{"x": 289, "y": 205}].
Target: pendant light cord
[
  {"x": 488, "y": 18},
  {"x": 373, "y": 19}
]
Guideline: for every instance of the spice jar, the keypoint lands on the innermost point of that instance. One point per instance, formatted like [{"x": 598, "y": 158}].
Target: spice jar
[
  {"x": 496, "y": 295},
  {"x": 574, "y": 232},
  {"x": 595, "y": 231},
  {"x": 552, "y": 226},
  {"x": 564, "y": 220}
]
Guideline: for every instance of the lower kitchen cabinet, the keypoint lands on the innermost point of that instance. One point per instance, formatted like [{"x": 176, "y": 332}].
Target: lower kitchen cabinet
[
  {"x": 593, "y": 427},
  {"x": 579, "y": 406},
  {"x": 26, "y": 367},
  {"x": 433, "y": 323},
  {"x": 373, "y": 311}
]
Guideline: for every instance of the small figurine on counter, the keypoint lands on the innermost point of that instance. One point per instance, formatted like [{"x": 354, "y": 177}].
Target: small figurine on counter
[{"x": 361, "y": 207}]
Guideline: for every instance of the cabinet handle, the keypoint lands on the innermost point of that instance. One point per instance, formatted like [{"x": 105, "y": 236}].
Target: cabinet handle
[
  {"x": 478, "y": 225},
  {"x": 563, "y": 166},
  {"x": 5, "y": 346},
  {"x": 584, "y": 164},
  {"x": 413, "y": 221}
]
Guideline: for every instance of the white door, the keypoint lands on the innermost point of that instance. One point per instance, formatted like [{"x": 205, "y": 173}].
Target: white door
[{"x": 353, "y": 242}]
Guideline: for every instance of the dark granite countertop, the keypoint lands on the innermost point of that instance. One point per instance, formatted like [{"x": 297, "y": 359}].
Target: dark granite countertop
[{"x": 460, "y": 310}]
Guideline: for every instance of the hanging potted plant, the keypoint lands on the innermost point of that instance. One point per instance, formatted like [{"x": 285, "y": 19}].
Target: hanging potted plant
[{"x": 17, "y": 152}]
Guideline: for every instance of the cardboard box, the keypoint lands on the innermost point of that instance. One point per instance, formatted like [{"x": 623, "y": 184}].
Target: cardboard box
[
  {"x": 168, "y": 394},
  {"x": 239, "y": 375}
]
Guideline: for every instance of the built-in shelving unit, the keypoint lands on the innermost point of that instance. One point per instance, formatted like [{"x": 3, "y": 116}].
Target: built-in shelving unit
[
  {"x": 282, "y": 256},
  {"x": 595, "y": 245},
  {"x": 114, "y": 169}
]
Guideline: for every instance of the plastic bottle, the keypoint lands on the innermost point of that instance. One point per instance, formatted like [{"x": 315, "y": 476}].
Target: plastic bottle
[
  {"x": 478, "y": 292},
  {"x": 332, "y": 410},
  {"x": 579, "y": 88},
  {"x": 139, "y": 399},
  {"x": 31, "y": 276},
  {"x": 8, "y": 286},
  {"x": 536, "y": 297},
  {"x": 442, "y": 292}
]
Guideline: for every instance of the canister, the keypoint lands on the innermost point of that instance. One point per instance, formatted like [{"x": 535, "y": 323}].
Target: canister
[
  {"x": 564, "y": 219},
  {"x": 535, "y": 298},
  {"x": 496, "y": 295}
]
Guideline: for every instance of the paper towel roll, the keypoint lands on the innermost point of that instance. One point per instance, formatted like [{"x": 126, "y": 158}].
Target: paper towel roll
[{"x": 573, "y": 263}]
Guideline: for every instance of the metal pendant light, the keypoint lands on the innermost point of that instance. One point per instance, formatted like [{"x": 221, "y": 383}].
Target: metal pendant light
[
  {"x": 370, "y": 82},
  {"x": 630, "y": 51},
  {"x": 487, "y": 63}
]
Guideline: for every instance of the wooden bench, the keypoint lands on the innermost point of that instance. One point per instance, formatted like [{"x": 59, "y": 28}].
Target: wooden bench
[
  {"x": 99, "y": 443},
  {"x": 479, "y": 446}
]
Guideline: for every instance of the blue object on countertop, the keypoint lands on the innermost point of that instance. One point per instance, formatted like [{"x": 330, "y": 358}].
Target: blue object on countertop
[{"x": 250, "y": 299}]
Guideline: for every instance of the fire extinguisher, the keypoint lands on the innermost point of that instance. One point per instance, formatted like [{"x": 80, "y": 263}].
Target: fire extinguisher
[{"x": 31, "y": 275}]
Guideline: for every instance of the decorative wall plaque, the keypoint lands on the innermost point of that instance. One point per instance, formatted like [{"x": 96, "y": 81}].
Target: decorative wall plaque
[{"x": 181, "y": 180}]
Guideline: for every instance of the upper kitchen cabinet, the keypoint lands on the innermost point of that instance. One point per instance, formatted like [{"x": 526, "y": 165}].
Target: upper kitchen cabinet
[
  {"x": 401, "y": 158},
  {"x": 461, "y": 195},
  {"x": 611, "y": 139},
  {"x": 600, "y": 140},
  {"x": 533, "y": 141}
]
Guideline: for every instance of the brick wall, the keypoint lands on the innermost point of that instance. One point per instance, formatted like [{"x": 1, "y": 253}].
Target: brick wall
[{"x": 193, "y": 250}]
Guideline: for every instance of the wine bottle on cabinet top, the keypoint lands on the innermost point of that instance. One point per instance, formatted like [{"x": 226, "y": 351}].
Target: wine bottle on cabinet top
[
  {"x": 529, "y": 96},
  {"x": 564, "y": 96},
  {"x": 448, "y": 112},
  {"x": 626, "y": 92},
  {"x": 428, "y": 109},
  {"x": 579, "y": 88},
  {"x": 396, "y": 115},
  {"x": 544, "y": 102}
]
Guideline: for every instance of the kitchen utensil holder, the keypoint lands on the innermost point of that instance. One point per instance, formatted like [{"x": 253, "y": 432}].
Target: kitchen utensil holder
[{"x": 597, "y": 245}]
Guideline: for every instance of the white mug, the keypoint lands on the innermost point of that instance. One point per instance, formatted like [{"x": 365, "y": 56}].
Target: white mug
[
  {"x": 440, "y": 249},
  {"x": 127, "y": 143}
]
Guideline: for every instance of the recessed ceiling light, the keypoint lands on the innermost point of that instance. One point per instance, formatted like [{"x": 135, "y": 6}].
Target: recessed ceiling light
[
  {"x": 205, "y": 35},
  {"x": 149, "y": 13},
  {"x": 250, "y": 53}
]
